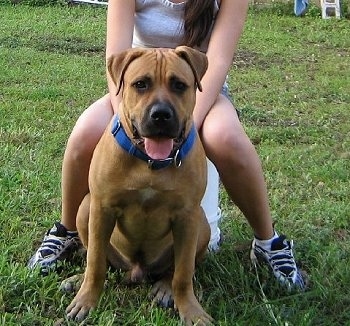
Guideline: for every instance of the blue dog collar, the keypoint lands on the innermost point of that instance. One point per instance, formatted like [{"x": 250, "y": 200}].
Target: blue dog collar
[{"x": 176, "y": 158}]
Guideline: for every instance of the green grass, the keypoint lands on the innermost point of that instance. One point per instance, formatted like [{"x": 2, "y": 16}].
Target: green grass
[{"x": 291, "y": 81}]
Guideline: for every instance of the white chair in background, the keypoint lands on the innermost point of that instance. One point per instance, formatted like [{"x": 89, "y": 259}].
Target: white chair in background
[{"x": 330, "y": 8}]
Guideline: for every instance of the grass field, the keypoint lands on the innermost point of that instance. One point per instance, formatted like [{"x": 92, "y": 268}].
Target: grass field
[{"x": 291, "y": 81}]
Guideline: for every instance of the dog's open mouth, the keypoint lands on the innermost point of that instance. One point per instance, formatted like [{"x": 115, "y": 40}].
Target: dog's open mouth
[{"x": 157, "y": 147}]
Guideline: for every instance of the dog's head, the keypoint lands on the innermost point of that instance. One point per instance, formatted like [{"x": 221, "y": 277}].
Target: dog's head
[{"x": 159, "y": 91}]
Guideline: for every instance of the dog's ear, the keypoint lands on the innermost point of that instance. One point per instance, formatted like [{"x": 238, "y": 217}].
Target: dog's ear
[
  {"x": 197, "y": 60},
  {"x": 118, "y": 63}
]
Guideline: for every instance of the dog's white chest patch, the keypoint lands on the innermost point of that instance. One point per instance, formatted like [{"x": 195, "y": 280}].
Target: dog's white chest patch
[{"x": 147, "y": 194}]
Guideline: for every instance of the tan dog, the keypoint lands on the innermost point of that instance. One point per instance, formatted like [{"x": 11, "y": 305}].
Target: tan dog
[{"x": 147, "y": 179}]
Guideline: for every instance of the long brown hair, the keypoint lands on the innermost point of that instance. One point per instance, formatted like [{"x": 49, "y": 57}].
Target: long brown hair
[{"x": 198, "y": 19}]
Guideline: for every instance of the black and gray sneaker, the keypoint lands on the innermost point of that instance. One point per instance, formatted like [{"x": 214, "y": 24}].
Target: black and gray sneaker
[
  {"x": 57, "y": 245},
  {"x": 281, "y": 261}
]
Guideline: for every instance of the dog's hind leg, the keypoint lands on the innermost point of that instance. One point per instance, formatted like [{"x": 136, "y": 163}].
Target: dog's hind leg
[
  {"x": 115, "y": 260},
  {"x": 83, "y": 220},
  {"x": 72, "y": 284}
]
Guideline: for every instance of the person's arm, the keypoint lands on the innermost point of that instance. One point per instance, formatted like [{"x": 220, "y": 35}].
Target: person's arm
[
  {"x": 222, "y": 46},
  {"x": 120, "y": 27}
]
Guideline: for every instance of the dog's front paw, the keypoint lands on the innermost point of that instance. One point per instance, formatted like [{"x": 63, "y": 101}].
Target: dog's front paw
[
  {"x": 81, "y": 305},
  {"x": 198, "y": 318},
  {"x": 193, "y": 314}
]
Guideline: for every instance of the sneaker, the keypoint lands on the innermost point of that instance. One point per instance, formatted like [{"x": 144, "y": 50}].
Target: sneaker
[
  {"x": 281, "y": 261},
  {"x": 57, "y": 245}
]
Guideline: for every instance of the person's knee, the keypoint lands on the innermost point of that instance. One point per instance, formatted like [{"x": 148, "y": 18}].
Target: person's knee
[
  {"x": 81, "y": 144},
  {"x": 229, "y": 148},
  {"x": 89, "y": 129}
]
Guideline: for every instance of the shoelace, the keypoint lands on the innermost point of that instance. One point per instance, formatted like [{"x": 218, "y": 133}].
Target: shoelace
[
  {"x": 283, "y": 259},
  {"x": 51, "y": 245},
  {"x": 282, "y": 262}
]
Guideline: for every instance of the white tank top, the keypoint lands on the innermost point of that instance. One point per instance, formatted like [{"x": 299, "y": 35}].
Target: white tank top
[{"x": 159, "y": 23}]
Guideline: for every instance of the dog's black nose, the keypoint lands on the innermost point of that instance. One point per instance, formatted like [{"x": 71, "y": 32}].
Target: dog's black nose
[
  {"x": 160, "y": 120},
  {"x": 161, "y": 112}
]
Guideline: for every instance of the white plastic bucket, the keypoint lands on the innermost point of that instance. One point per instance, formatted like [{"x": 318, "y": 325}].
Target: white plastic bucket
[{"x": 210, "y": 204}]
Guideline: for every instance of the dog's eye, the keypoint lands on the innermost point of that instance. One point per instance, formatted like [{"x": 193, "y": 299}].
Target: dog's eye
[
  {"x": 141, "y": 85},
  {"x": 178, "y": 86}
]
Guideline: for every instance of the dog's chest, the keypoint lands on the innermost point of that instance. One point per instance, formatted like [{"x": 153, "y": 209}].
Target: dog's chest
[
  {"x": 150, "y": 199},
  {"x": 148, "y": 195},
  {"x": 148, "y": 204},
  {"x": 146, "y": 215}
]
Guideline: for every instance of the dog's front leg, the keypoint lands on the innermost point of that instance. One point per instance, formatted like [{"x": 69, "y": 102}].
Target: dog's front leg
[
  {"x": 101, "y": 225},
  {"x": 186, "y": 234}
]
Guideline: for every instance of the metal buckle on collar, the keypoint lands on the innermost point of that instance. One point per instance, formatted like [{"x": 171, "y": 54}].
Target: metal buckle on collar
[
  {"x": 116, "y": 127},
  {"x": 150, "y": 164},
  {"x": 177, "y": 160}
]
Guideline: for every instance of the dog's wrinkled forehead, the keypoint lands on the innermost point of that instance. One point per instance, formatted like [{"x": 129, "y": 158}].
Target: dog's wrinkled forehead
[
  {"x": 158, "y": 62},
  {"x": 161, "y": 65}
]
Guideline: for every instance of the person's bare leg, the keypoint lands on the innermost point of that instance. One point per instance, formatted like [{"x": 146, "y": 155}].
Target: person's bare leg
[
  {"x": 62, "y": 239},
  {"x": 239, "y": 167},
  {"x": 76, "y": 162},
  {"x": 238, "y": 164}
]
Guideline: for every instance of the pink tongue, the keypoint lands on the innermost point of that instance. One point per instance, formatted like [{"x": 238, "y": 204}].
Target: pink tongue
[{"x": 158, "y": 148}]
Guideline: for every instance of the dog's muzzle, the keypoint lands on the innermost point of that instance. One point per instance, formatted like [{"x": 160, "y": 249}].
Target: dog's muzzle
[{"x": 159, "y": 130}]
